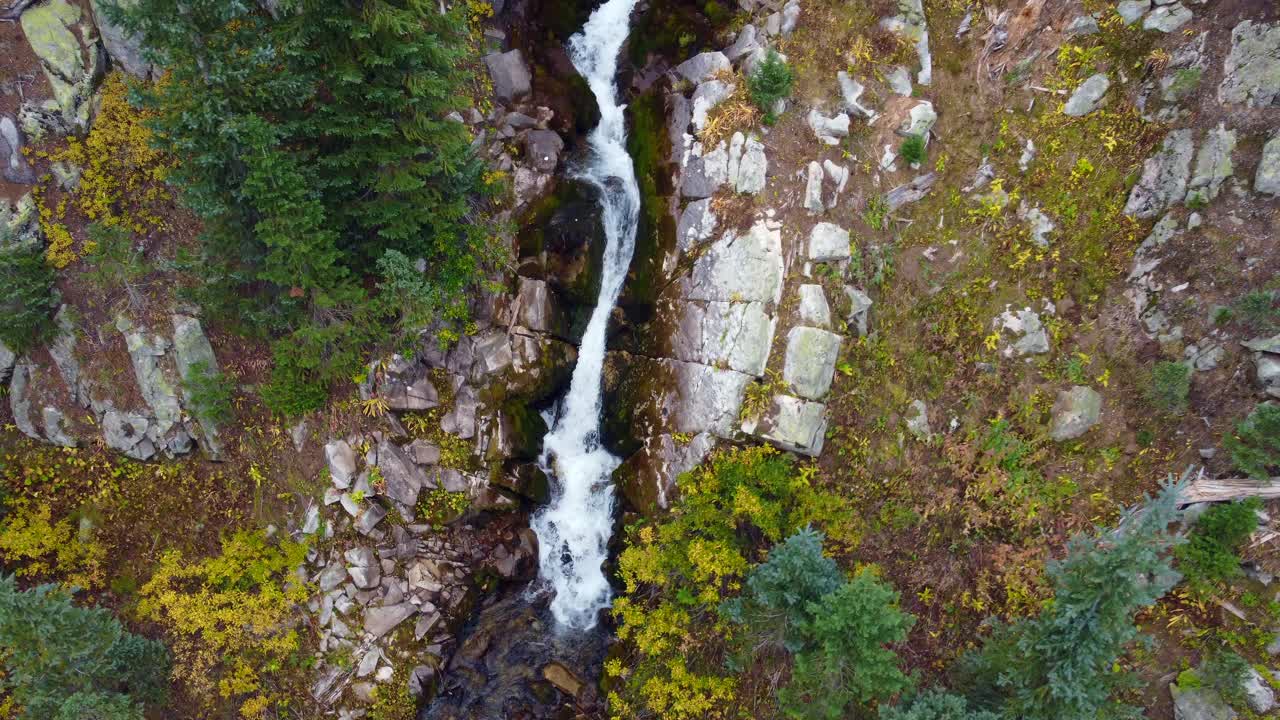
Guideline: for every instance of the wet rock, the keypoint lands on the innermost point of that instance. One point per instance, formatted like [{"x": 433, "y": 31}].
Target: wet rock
[
  {"x": 1131, "y": 11},
  {"x": 13, "y": 164},
  {"x": 679, "y": 115},
  {"x": 702, "y": 66},
  {"x": 1087, "y": 97},
  {"x": 792, "y": 424},
  {"x": 1167, "y": 18},
  {"x": 124, "y": 48},
  {"x": 1212, "y": 165},
  {"x": 511, "y": 78},
  {"x": 732, "y": 335},
  {"x": 1164, "y": 177},
  {"x": 696, "y": 224},
  {"x": 810, "y": 361},
  {"x": 1251, "y": 70},
  {"x": 1074, "y": 412},
  {"x": 813, "y": 309},
  {"x": 1267, "y": 179},
  {"x": 829, "y": 130},
  {"x": 538, "y": 309},
  {"x": 917, "y": 420},
  {"x": 562, "y": 678},
  {"x": 542, "y": 149},
  {"x": 813, "y": 190},
  {"x": 342, "y": 463},
  {"x": 859, "y": 313},
  {"x": 379, "y": 621},
  {"x": 739, "y": 269},
  {"x": 1199, "y": 704},
  {"x": 827, "y": 242}
]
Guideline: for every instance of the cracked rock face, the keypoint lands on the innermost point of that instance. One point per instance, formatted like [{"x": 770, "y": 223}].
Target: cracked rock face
[
  {"x": 739, "y": 269},
  {"x": 792, "y": 424},
  {"x": 811, "y": 361},
  {"x": 1164, "y": 177},
  {"x": 1251, "y": 71},
  {"x": 732, "y": 335}
]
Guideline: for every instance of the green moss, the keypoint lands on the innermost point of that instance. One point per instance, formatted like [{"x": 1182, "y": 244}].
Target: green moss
[{"x": 655, "y": 233}]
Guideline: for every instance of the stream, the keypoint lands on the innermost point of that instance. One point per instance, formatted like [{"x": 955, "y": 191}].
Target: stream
[{"x": 573, "y": 530}]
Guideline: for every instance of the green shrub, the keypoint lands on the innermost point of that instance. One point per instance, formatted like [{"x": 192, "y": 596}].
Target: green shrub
[
  {"x": 1170, "y": 386},
  {"x": 208, "y": 392},
  {"x": 1062, "y": 663},
  {"x": 1209, "y": 556},
  {"x": 770, "y": 83},
  {"x": 67, "y": 662},
  {"x": 1258, "y": 310},
  {"x": 912, "y": 149},
  {"x": 1255, "y": 445},
  {"x": 27, "y": 297},
  {"x": 1226, "y": 672},
  {"x": 935, "y": 705}
]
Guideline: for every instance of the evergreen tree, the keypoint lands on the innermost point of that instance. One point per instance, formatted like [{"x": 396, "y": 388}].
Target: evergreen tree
[
  {"x": 1060, "y": 665},
  {"x": 312, "y": 145},
  {"x": 27, "y": 298},
  {"x": 63, "y": 661},
  {"x": 935, "y": 705},
  {"x": 770, "y": 82}
]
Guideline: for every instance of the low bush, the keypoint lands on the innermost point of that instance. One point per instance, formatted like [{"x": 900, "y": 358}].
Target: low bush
[
  {"x": 1254, "y": 447},
  {"x": 770, "y": 82},
  {"x": 1210, "y": 554},
  {"x": 41, "y": 548}
]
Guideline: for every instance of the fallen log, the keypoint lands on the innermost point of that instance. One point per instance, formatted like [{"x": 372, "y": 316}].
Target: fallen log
[
  {"x": 13, "y": 12},
  {"x": 1204, "y": 489}
]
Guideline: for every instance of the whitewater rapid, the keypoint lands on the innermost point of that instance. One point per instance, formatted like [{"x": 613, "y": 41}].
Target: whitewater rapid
[{"x": 573, "y": 530}]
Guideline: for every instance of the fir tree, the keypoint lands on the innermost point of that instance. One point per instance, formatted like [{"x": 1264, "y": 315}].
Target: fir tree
[{"x": 27, "y": 298}]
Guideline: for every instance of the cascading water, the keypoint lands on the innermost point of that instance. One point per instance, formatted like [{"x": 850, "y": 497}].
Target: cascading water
[{"x": 573, "y": 530}]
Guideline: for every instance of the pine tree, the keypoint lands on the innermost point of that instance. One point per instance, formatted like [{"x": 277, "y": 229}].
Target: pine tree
[
  {"x": 27, "y": 298},
  {"x": 1061, "y": 664},
  {"x": 63, "y": 661}
]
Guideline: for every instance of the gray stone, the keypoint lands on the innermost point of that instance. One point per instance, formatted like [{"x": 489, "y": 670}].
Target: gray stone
[
  {"x": 1164, "y": 177},
  {"x": 705, "y": 399},
  {"x": 1131, "y": 11},
  {"x": 829, "y": 130},
  {"x": 193, "y": 354},
  {"x": 1251, "y": 70},
  {"x": 493, "y": 355},
  {"x": 745, "y": 43},
  {"x": 342, "y": 463},
  {"x": 851, "y": 92},
  {"x": 511, "y": 78},
  {"x": 1212, "y": 166},
  {"x": 918, "y": 420},
  {"x": 1199, "y": 704},
  {"x": 1083, "y": 25},
  {"x": 702, "y": 66},
  {"x": 790, "y": 17},
  {"x": 679, "y": 115},
  {"x": 706, "y": 97},
  {"x": 369, "y": 662},
  {"x": 739, "y": 269},
  {"x": 1258, "y": 693},
  {"x": 1273, "y": 647},
  {"x": 333, "y": 575},
  {"x": 920, "y": 120},
  {"x": 368, "y": 518},
  {"x": 696, "y": 224},
  {"x": 63, "y": 351},
  {"x": 813, "y": 309},
  {"x": 752, "y": 169},
  {"x": 732, "y": 335},
  {"x": 153, "y": 383},
  {"x": 1268, "y": 178},
  {"x": 1167, "y": 18},
  {"x": 54, "y": 427},
  {"x": 379, "y": 621},
  {"x": 48, "y": 28},
  {"x": 1039, "y": 224},
  {"x": 124, "y": 48},
  {"x": 1032, "y": 339},
  {"x": 537, "y": 308},
  {"x": 828, "y": 241},
  {"x": 7, "y": 359},
  {"x": 899, "y": 79},
  {"x": 404, "y": 480},
  {"x": 542, "y": 150},
  {"x": 705, "y": 174},
  {"x": 1087, "y": 96},
  {"x": 859, "y": 309},
  {"x": 127, "y": 432},
  {"x": 366, "y": 577},
  {"x": 1206, "y": 358},
  {"x": 461, "y": 420},
  {"x": 13, "y": 164},
  {"x": 1074, "y": 412},
  {"x": 810, "y": 361},
  {"x": 793, "y": 424}
]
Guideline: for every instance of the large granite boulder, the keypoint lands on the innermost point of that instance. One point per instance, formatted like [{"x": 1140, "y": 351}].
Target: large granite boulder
[
  {"x": 1164, "y": 177},
  {"x": 511, "y": 78},
  {"x": 195, "y": 360},
  {"x": 1086, "y": 97},
  {"x": 1267, "y": 179},
  {"x": 1212, "y": 165},
  {"x": 723, "y": 334},
  {"x": 702, "y": 66},
  {"x": 13, "y": 164},
  {"x": 1074, "y": 412},
  {"x": 739, "y": 269},
  {"x": 70, "y": 67},
  {"x": 811, "y": 361},
  {"x": 1251, "y": 70},
  {"x": 792, "y": 424}
]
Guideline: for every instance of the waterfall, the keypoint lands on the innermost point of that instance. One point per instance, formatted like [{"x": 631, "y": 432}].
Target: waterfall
[{"x": 573, "y": 530}]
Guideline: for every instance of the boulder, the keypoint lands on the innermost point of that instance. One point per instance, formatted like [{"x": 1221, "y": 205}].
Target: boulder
[
  {"x": 1266, "y": 361},
  {"x": 1082, "y": 25},
  {"x": 917, "y": 420},
  {"x": 128, "y": 433},
  {"x": 752, "y": 169},
  {"x": 194, "y": 356},
  {"x": 1164, "y": 177},
  {"x": 1038, "y": 223},
  {"x": 1087, "y": 96},
  {"x": 404, "y": 480},
  {"x": 745, "y": 43},
  {"x": 1258, "y": 693},
  {"x": 705, "y": 174},
  {"x": 811, "y": 361},
  {"x": 13, "y": 164},
  {"x": 48, "y": 28},
  {"x": 739, "y": 269},
  {"x": 1251, "y": 70},
  {"x": 1267, "y": 179},
  {"x": 1212, "y": 165},
  {"x": 705, "y": 98},
  {"x": 899, "y": 79},
  {"x": 1032, "y": 338},
  {"x": 697, "y": 223},
  {"x": 379, "y": 621},
  {"x": 7, "y": 359},
  {"x": 859, "y": 313},
  {"x": 813, "y": 309},
  {"x": 511, "y": 78},
  {"x": 1074, "y": 412},
  {"x": 828, "y": 241},
  {"x": 1167, "y": 18},
  {"x": 702, "y": 66},
  {"x": 562, "y": 678},
  {"x": 705, "y": 399},
  {"x": 62, "y": 349},
  {"x": 736, "y": 335},
  {"x": 920, "y": 120},
  {"x": 792, "y": 424},
  {"x": 54, "y": 423},
  {"x": 829, "y": 130},
  {"x": 537, "y": 308},
  {"x": 542, "y": 149},
  {"x": 342, "y": 463},
  {"x": 1199, "y": 703},
  {"x": 813, "y": 189},
  {"x": 368, "y": 518},
  {"x": 124, "y": 48},
  {"x": 851, "y": 92},
  {"x": 154, "y": 384},
  {"x": 1131, "y": 11}
]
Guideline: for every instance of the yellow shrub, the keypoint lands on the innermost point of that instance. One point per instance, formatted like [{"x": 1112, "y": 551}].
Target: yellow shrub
[
  {"x": 229, "y": 618},
  {"x": 43, "y": 548}
]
